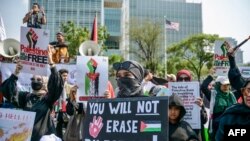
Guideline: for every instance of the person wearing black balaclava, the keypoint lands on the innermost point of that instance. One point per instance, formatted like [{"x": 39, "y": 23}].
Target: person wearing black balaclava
[
  {"x": 40, "y": 100},
  {"x": 129, "y": 77}
]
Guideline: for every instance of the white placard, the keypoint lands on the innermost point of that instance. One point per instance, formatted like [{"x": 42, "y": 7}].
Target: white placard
[
  {"x": 188, "y": 91},
  {"x": 92, "y": 77},
  {"x": 16, "y": 124},
  {"x": 221, "y": 62},
  {"x": 34, "y": 54}
]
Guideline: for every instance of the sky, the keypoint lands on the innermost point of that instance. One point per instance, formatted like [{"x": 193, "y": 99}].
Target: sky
[{"x": 227, "y": 18}]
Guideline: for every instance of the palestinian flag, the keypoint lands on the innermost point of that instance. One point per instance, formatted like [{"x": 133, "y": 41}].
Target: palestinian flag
[{"x": 150, "y": 126}]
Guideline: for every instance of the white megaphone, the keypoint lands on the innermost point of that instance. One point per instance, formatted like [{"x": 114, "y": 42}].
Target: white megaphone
[
  {"x": 10, "y": 48},
  {"x": 89, "y": 48}
]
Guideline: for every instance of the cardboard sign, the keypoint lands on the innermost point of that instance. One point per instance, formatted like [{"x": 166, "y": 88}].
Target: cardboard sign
[
  {"x": 16, "y": 124},
  {"x": 188, "y": 91},
  {"x": 34, "y": 54},
  {"x": 127, "y": 119},
  {"x": 92, "y": 77},
  {"x": 221, "y": 62}
]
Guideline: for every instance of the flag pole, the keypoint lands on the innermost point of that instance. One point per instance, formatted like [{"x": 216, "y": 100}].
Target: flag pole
[{"x": 165, "y": 47}]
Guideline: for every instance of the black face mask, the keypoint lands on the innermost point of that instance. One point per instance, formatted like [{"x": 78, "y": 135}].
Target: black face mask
[
  {"x": 128, "y": 87},
  {"x": 36, "y": 85}
]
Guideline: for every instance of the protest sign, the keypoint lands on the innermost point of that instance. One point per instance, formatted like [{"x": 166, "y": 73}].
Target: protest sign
[
  {"x": 245, "y": 72},
  {"x": 92, "y": 76},
  {"x": 221, "y": 62},
  {"x": 188, "y": 91},
  {"x": 34, "y": 50},
  {"x": 16, "y": 124},
  {"x": 23, "y": 83},
  {"x": 127, "y": 119}
]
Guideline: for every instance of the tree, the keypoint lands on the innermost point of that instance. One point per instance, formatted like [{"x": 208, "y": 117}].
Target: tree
[
  {"x": 77, "y": 35},
  {"x": 193, "y": 53},
  {"x": 145, "y": 45}
]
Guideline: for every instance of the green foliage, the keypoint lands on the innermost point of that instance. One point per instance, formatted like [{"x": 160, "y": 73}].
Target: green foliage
[
  {"x": 193, "y": 54},
  {"x": 113, "y": 59},
  {"x": 145, "y": 43},
  {"x": 75, "y": 35}
]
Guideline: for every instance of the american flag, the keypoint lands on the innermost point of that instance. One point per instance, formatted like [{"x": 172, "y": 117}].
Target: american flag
[{"x": 172, "y": 25}]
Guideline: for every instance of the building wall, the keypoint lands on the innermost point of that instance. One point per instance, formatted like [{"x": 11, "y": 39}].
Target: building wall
[{"x": 188, "y": 15}]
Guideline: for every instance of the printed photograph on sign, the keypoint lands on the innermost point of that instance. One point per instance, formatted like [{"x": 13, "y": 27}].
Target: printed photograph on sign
[
  {"x": 92, "y": 77},
  {"x": 221, "y": 62},
  {"x": 16, "y": 125},
  {"x": 188, "y": 91},
  {"x": 34, "y": 54}
]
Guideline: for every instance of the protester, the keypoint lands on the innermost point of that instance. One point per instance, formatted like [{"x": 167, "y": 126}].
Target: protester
[
  {"x": 39, "y": 100},
  {"x": 74, "y": 129},
  {"x": 147, "y": 83},
  {"x": 234, "y": 75},
  {"x": 35, "y": 17},
  {"x": 60, "y": 105},
  {"x": 179, "y": 130},
  {"x": 129, "y": 77},
  {"x": 185, "y": 76},
  {"x": 60, "y": 49},
  {"x": 236, "y": 115},
  {"x": 221, "y": 98},
  {"x": 171, "y": 78}
]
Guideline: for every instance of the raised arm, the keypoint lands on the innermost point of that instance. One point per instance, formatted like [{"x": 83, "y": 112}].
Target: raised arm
[
  {"x": 9, "y": 86},
  {"x": 234, "y": 75},
  {"x": 204, "y": 87},
  {"x": 55, "y": 84},
  {"x": 27, "y": 16}
]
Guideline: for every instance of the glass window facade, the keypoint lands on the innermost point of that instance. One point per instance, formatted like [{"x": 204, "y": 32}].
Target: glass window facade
[
  {"x": 188, "y": 15},
  {"x": 82, "y": 12}
]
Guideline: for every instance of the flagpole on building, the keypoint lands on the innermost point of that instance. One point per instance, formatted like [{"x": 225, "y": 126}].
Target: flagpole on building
[{"x": 165, "y": 47}]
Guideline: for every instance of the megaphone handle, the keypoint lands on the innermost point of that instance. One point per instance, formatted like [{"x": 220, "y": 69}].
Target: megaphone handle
[{"x": 15, "y": 59}]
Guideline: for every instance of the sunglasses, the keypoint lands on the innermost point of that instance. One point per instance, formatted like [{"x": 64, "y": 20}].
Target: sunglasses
[
  {"x": 183, "y": 78},
  {"x": 125, "y": 65}
]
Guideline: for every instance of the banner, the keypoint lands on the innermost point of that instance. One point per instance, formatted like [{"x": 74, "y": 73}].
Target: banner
[
  {"x": 24, "y": 82},
  {"x": 127, "y": 119},
  {"x": 34, "y": 54},
  {"x": 92, "y": 77},
  {"x": 188, "y": 91},
  {"x": 221, "y": 62},
  {"x": 245, "y": 72},
  {"x": 16, "y": 124}
]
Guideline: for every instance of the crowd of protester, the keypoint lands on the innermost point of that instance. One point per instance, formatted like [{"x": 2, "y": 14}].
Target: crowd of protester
[{"x": 54, "y": 100}]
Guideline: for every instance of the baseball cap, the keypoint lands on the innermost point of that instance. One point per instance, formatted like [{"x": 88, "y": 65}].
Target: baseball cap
[{"x": 223, "y": 80}]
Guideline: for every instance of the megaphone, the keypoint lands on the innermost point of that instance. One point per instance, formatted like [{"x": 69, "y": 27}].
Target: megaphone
[
  {"x": 89, "y": 48},
  {"x": 9, "y": 48}
]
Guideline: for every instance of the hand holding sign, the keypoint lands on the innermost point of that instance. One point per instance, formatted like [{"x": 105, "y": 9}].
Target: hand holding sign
[{"x": 95, "y": 126}]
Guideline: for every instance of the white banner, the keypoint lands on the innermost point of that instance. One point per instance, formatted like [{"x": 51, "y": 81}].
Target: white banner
[
  {"x": 92, "y": 77},
  {"x": 245, "y": 72},
  {"x": 34, "y": 54},
  {"x": 23, "y": 83},
  {"x": 16, "y": 124},
  {"x": 188, "y": 91}
]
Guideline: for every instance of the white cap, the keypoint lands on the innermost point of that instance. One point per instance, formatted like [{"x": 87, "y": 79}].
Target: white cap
[
  {"x": 223, "y": 80},
  {"x": 51, "y": 137}
]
